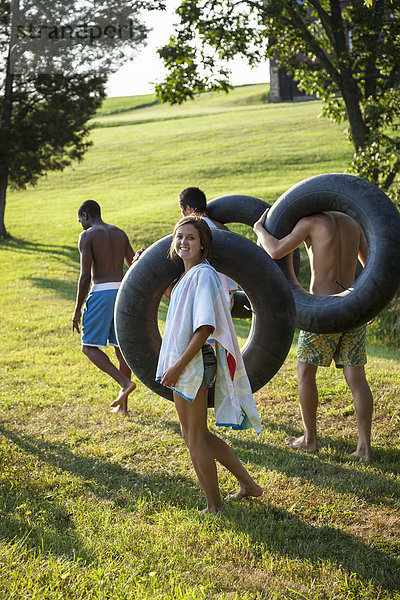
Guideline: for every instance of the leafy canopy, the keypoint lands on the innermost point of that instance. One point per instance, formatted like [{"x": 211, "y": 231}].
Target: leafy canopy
[
  {"x": 345, "y": 53},
  {"x": 57, "y": 56}
]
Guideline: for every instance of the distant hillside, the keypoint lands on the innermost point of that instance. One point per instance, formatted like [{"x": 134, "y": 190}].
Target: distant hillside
[{"x": 243, "y": 95}]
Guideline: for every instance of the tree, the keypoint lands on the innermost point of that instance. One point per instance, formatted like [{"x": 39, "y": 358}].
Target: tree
[
  {"x": 57, "y": 56},
  {"x": 346, "y": 52}
]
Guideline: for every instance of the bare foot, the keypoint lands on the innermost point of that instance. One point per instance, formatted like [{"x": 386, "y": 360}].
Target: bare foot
[
  {"x": 121, "y": 409},
  {"x": 300, "y": 444},
  {"x": 246, "y": 492},
  {"x": 365, "y": 455},
  {"x": 121, "y": 403},
  {"x": 211, "y": 511}
]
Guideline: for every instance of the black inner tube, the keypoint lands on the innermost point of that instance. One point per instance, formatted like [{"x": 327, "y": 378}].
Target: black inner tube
[
  {"x": 271, "y": 301},
  {"x": 380, "y": 221}
]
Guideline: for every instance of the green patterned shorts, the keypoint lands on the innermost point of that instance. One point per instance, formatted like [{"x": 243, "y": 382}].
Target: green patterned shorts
[{"x": 347, "y": 349}]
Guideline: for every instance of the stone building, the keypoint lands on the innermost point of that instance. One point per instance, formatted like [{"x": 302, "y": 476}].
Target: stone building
[{"x": 282, "y": 87}]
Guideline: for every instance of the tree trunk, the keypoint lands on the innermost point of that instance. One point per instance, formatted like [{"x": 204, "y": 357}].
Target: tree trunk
[
  {"x": 350, "y": 94},
  {"x": 3, "y": 191},
  {"x": 6, "y": 114},
  {"x": 346, "y": 81}
]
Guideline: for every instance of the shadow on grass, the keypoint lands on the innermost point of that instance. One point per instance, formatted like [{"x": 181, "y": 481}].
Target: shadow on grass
[
  {"x": 267, "y": 526},
  {"x": 65, "y": 289},
  {"x": 283, "y": 533},
  {"x": 118, "y": 111},
  {"x": 386, "y": 460},
  {"x": 377, "y": 488},
  {"x": 99, "y": 478},
  {"x": 21, "y": 245}
]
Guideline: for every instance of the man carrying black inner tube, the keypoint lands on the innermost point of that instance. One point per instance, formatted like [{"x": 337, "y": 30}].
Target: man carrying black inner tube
[
  {"x": 334, "y": 242},
  {"x": 192, "y": 200},
  {"x": 103, "y": 249}
]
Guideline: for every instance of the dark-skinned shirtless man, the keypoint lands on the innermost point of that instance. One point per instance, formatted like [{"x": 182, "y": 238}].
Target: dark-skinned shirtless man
[
  {"x": 103, "y": 250},
  {"x": 334, "y": 242}
]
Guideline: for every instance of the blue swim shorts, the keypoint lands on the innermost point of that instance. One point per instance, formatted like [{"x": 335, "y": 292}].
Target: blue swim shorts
[
  {"x": 346, "y": 349},
  {"x": 98, "y": 315}
]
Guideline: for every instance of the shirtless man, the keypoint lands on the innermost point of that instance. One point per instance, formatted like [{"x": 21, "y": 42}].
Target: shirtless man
[
  {"x": 103, "y": 249},
  {"x": 334, "y": 242}
]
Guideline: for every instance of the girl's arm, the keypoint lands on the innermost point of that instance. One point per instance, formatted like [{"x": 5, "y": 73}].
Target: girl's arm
[{"x": 171, "y": 375}]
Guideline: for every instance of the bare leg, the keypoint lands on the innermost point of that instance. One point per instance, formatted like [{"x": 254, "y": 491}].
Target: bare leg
[
  {"x": 363, "y": 403},
  {"x": 308, "y": 398},
  {"x": 101, "y": 360},
  {"x": 205, "y": 448},
  {"x": 193, "y": 419},
  {"x": 225, "y": 455},
  {"x": 123, "y": 367},
  {"x": 118, "y": 405}
]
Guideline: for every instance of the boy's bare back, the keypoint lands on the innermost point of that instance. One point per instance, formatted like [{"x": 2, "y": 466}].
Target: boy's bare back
[
  {"x": 108, "y": 246},
  {"x": 334, "y": 243}
]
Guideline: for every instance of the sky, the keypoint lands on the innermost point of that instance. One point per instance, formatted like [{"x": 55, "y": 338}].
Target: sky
[{"x": 136, "y": 77}]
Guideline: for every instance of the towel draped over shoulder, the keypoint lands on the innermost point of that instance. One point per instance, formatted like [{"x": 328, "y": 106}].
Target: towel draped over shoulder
[{"x": 198, "y": 299}]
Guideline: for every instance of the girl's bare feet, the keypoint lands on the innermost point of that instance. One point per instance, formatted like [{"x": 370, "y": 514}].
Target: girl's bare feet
[{"x": 253, "y": 491}]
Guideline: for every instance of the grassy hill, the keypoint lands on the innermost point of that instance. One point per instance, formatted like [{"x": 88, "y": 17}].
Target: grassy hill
[{"x": 93, "y": 507}]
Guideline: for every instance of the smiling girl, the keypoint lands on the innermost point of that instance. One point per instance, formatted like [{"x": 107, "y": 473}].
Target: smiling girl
[{"x": 191, "y": 362}]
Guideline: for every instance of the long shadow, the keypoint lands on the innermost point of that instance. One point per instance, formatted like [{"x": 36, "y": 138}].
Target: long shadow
[
  {"x": 53, "y": 531},
  {"x": 145, "y": 121},
  {"x": 119, "y": 111},
  {"x": 25, "y": 246},
  {"x": 101, "y": 478},
  {"x": 267, "y": 526},
  {"x": 280, "y": 532},
  {"x": 56, "y": 532},
  {"x": 65, "y": 289},
  {"x": 341, "y": 448},
  {"x": 375, "y": 488}
]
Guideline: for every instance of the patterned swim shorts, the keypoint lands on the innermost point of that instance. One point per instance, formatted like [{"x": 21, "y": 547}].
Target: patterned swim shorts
[{"x": 346, "y": 349}]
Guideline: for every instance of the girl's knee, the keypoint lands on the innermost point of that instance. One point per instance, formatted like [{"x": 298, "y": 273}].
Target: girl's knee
[{"x": 194, "y": 439}]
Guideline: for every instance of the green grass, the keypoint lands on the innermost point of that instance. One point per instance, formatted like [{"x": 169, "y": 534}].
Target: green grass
[{"x": 94, "y": 507}]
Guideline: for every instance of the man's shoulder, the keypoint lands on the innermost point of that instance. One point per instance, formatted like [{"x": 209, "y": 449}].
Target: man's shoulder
[
  {"x": 97, "y": 231},
  {"x": 308, "y": 223},
  {"x": 314, "y": 218},
  {"x": 84, "y": 236},
  {"x": 116, "y": 230}
]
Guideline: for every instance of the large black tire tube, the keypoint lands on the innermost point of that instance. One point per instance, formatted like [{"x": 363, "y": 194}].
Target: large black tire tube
[
  {"x": 238, "y": 208},
  {"x": 272, "y": 303},
  {"x": 380, "y": 220}
]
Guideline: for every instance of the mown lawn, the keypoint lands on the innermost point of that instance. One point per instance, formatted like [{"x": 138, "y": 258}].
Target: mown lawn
[{"x": 96, "y": 507}]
